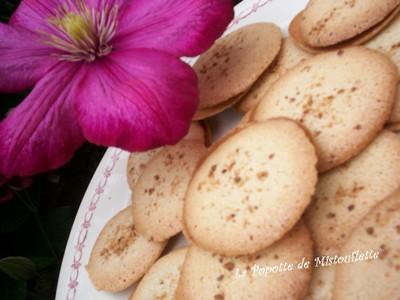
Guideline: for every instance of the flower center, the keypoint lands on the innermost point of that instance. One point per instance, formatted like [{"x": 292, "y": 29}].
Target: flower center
[{"x": 81, "y": 33}]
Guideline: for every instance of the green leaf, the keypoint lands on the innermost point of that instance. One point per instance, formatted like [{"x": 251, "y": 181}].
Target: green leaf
[
  {"x": 43, "y": 262},
  {"x": 11, "y": 289},
  {"x": 17, "y": 267}
]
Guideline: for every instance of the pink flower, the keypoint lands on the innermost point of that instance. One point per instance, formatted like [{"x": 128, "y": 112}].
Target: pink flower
[{"x": 108, "y": 71}]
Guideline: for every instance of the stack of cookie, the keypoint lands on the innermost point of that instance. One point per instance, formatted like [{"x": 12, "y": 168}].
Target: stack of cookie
[
  {"x": 331, "y": 24},
  {"x": 229, "y": 68},
  {"x": 309, "y": 173}
]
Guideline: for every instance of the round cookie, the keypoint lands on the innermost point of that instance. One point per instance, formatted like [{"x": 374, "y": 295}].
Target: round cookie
[
  {"x": 289, "y": 56},
  {"x": 328, "y": 22},
  {"x": 161, "y": 280},
  {"x": 209, "y": 276},
  {"x": 339, "y": 99},
  {"x": 235, "y": 62},
  {"x": 322, "y": 284},
  {"x": 377, "y": 278},
  {"x": 137, "y": 161},
  {"x": 296, "y": 34},
  {"x": 388, "y": 41},
  {"x": 395, "y": 127},
  {"x": 121, "y": 256},
  {"x": 209, "y": 112},
  {"x": 395, "y": 117},
  {"x": 198, "y": 132},
  {"x": 346, "y": 194},
  {"x": 257, "y": 171},
  {"x": 157, "y": 200}
]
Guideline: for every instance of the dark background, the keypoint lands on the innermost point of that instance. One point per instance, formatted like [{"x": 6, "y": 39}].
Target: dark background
[{"x": 36, "y": 220}]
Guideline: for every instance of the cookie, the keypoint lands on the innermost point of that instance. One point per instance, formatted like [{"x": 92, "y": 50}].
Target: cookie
[
  {"x": 388, "y": 41},
  {"x": 328, "y": 22},
  {"x": 157, "y": 200},
  {"x": 235, "y": 62},
  {"x": 256, "y": 172},
  {"x": 289, "y": 56},
  {"x": 377, "y": 278},
  {"x": 161, "y": 280},
  {"x": 322, "y": 284},
  {"x": 212, "y": 111},
  {"x": 137, "y": 161},
  {"x": 395, "y": 117},
  {"x": 346, "y": 194},
  {"x": 338, "y": 98},
  {"x": 210, "y": 276},
  {"x": 121, "y": 256},
  {"x": 198, "y": 131},
  {"x": 296, "y": 34},
  {"x": 395, "y": 127}
]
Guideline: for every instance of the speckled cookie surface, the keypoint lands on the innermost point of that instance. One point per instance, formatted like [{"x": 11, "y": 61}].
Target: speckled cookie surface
[
  {"x": 388, "y": 41},
  {"x": 121, "y": 255},
  {"x": 289, "y": 56},
  {"x": 296, "y": 33},
  {"x": 328, "y": 22},
  {"x": 137, "y": 161},
  {"x": 322, "y": 283},
  {"x": 161, "y": 280},
  {"x": 212, "y": 111},
  {"x": 157, "y": 200},
  {"x": 346, "y": 194},
  {"x": 235, "y": 62},
  {"x": 256, "y": 172},
  {"x": 210, "y": 276},
  {"x": 395, "y": 116},
  {"x": 136, "y": 164},
  {"x": 338, "y": 98},
  {"x": 377, "y": 278}
]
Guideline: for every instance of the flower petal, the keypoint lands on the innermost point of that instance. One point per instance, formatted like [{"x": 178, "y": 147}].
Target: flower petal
[
  {"x": 137, "y": 100},
  {"x": 182, "y": 28},
  {"x": 23, "y": 58},
  {"x": 42, "y": 133},
  {"x": 33, "y": 14}
]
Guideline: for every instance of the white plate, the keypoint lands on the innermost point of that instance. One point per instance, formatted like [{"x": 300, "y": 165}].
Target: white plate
[{"x": 108, "y": 191}]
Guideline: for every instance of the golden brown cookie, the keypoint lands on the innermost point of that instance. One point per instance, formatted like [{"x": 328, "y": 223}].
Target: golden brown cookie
[
  {"x": 235, "y": 62},
  {"x": 289, "y": 56},
  {"x": 346, "y": 194},
  {"x": 121, "y": 255},
  {"x": 370, "y": 278},
  {"x": 256, "y": 172},
  {"x": 157, "y": 200},
  {"x": 270, "y": 274},
  {"x": 338, "y": 98},
  {"x": 161, "y": 280},
  {"x": 328, "y": 22}
]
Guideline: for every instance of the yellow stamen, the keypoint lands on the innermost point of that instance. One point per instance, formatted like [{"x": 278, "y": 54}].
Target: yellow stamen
[{"x": 74, "y": 25}]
